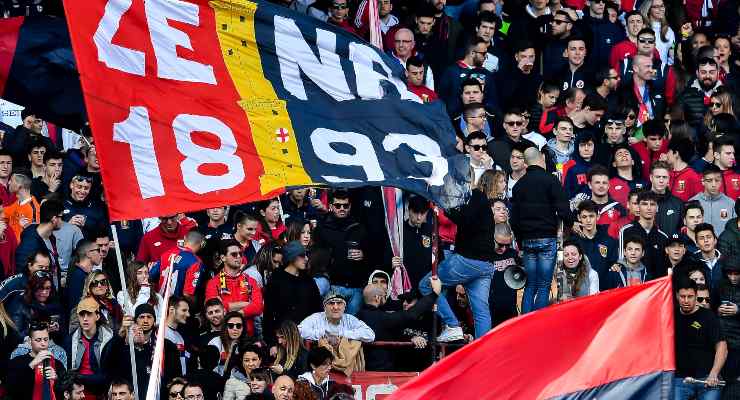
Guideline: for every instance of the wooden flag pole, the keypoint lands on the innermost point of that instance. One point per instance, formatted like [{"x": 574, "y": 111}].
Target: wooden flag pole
[{"x": 127, "y": 300}]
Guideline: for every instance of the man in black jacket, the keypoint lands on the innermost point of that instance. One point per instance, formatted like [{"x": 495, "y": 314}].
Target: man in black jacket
[
  {"x": 539, "y": 202},
  {"x": 346, "y": 239},
  {"x": 695, "y": 98},
  {"x": 388, "y": 325},
  {"x": 646, "y": 228},
  {"x": 670, "y": 207},
  {"x": 35, "y": 372}
]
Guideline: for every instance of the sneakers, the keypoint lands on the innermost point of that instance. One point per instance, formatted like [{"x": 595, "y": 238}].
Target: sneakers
[{"x": 451, "y": 334}]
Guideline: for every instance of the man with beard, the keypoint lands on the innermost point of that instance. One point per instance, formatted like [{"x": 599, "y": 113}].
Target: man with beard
[
  {"x": 561, "y": 27},
  {"x": 695, "y": 98},
  {"x": 214, "y": 313},
  {"x": 447, "y": 30},
  {"x": 470, "y": 66}
]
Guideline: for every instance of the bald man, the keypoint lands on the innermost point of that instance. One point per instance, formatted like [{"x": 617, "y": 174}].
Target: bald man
[
  {"x": 404, "y": 48},
  {"x": 539, "y": 202},
  {"x": 283, "y": 388},
  {"x": 387, "y": 323}
]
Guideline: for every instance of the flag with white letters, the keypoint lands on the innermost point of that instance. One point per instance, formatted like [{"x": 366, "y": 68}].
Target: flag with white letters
[{"x": 197, "y": 104}]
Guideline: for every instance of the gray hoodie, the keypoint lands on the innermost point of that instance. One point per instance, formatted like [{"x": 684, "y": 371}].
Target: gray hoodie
[
  {"x": 717, "y": 210},
  {"x": 558, "y": 156}
]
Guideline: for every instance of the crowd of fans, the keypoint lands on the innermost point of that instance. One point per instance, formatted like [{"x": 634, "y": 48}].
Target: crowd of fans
[{"x": 601, "y": 137}]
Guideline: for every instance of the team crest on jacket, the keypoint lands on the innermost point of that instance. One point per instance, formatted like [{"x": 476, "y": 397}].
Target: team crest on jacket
[
  {"x": 426, "y": 241},
  {"x": 603, "y": 250},
  {"x": 723, "y": 214},
  {"x": 681, "y": 185}
]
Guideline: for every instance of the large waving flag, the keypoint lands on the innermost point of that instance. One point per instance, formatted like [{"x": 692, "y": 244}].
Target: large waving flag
[
  {"x": 199, "y": 103},
  {"x": 616, "y": 345},
  {"x": 37, "y": 69}
]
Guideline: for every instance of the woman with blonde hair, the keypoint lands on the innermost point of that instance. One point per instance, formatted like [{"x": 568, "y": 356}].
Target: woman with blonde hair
[
  {"x": 97, "y": 285},
  {"x": 291, "y": 357},
  {"x": 139, "y": 289},
  {"x": 654, "y": 12},
  {"x": 490, "y": 184},
  {"x": 721, "y": 102}
]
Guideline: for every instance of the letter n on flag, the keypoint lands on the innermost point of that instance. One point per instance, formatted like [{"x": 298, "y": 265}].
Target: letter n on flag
[{"x": 615, "y": 345}]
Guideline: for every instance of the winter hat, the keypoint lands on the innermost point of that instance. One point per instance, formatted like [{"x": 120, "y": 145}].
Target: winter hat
[
  {"x": 293, "y": 250},
  {"x": 333, "y": 295},
  {"x": 145, "y": 308}
]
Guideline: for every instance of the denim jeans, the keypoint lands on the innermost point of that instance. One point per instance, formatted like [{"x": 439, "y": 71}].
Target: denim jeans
[
  {"x": 475, "y": 276},
  {"x": 353, "y": 297},
  {"x": 539, "y": 263},
  {"x": 685, "y": 391},
  {"x": 323, "y": 284}
]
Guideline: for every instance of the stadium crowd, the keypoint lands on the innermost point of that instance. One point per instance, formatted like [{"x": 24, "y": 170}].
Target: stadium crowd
[{"x": 602, "y": 138}]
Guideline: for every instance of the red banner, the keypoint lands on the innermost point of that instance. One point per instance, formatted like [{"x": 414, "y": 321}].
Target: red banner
[{"x": 616, "y": 344}]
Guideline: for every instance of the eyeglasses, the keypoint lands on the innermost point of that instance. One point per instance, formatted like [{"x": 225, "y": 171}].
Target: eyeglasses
[
  {"x": 646, "y": 40},
  {"x": 514, "y": 123},
  {"x": 341, "y": 205},
  {"x": 479, "y": 147},
  {"x": 174, "y": 395},
  {"x": 716, "y": 105},
  {"x": 101, "y": 282},
  {"x": 702, "y": 299},
  {"x": 236, "y": 325},
  {"x": 198, "y": 396}
]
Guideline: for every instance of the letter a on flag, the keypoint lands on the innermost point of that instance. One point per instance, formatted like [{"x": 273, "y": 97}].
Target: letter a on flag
[{"x": 197, "y": 104}]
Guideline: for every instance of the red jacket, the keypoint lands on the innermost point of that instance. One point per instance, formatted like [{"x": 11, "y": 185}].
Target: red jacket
[
  {"x": 157, "y": 241},
  {"x": 648, "y": 157},
  {"x": 239, "y": 288},
  {"x": 685, "y": 183},
  {"x": 730, "y": 184}
]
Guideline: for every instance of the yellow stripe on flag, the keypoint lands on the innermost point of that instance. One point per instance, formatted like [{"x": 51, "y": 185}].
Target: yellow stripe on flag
[{"x": 272, "y": 130}]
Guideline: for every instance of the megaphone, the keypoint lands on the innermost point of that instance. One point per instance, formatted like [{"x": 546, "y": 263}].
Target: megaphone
[{"x": 515, "y": 277}]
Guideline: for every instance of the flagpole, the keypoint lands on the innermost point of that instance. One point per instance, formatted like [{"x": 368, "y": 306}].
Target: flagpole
[{"x": 126, "y": 300}]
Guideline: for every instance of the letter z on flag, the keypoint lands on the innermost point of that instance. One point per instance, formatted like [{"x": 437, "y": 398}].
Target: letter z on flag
[{"x": 199, "y": 103}]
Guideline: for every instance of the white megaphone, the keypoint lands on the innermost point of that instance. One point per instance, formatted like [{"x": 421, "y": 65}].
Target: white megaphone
[{"x": 515, "y": 277}]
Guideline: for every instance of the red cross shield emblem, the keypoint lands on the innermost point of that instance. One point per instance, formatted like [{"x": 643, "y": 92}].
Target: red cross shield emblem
[{"x": 282, "y": 135}]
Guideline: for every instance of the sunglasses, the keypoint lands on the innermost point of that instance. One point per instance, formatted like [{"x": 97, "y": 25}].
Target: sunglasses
[
  {"x": 514, "y": 123},
  {"x": 341, "y": 205},
  {"x": 174, "y": 395},
  {"x": 479, "y": 147},
  {"x": 614, "y": 122},
  {"x": 646, "y": 41},
  {"x": 39, "y": 325},
  {"x": 102, "y": 282},
  {"x": 81, "y": 178},
  {"x": 237, "y": 325},
  {"x": 339, "y": 6},
  {"x": 702, "y": 299},
  {"x": 42, "y": 274},
  {"x": 716, "y": 105},
  {"x": 501, "y": 245}
]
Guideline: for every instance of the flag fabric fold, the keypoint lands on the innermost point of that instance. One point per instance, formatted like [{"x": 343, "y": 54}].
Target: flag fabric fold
[
  {"x": 617, "y": 344},
  {"x": 37, "y": 69}
]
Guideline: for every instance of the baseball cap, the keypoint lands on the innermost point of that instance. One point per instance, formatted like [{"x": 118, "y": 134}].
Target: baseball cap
[{"x": 88, "y": 304}]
